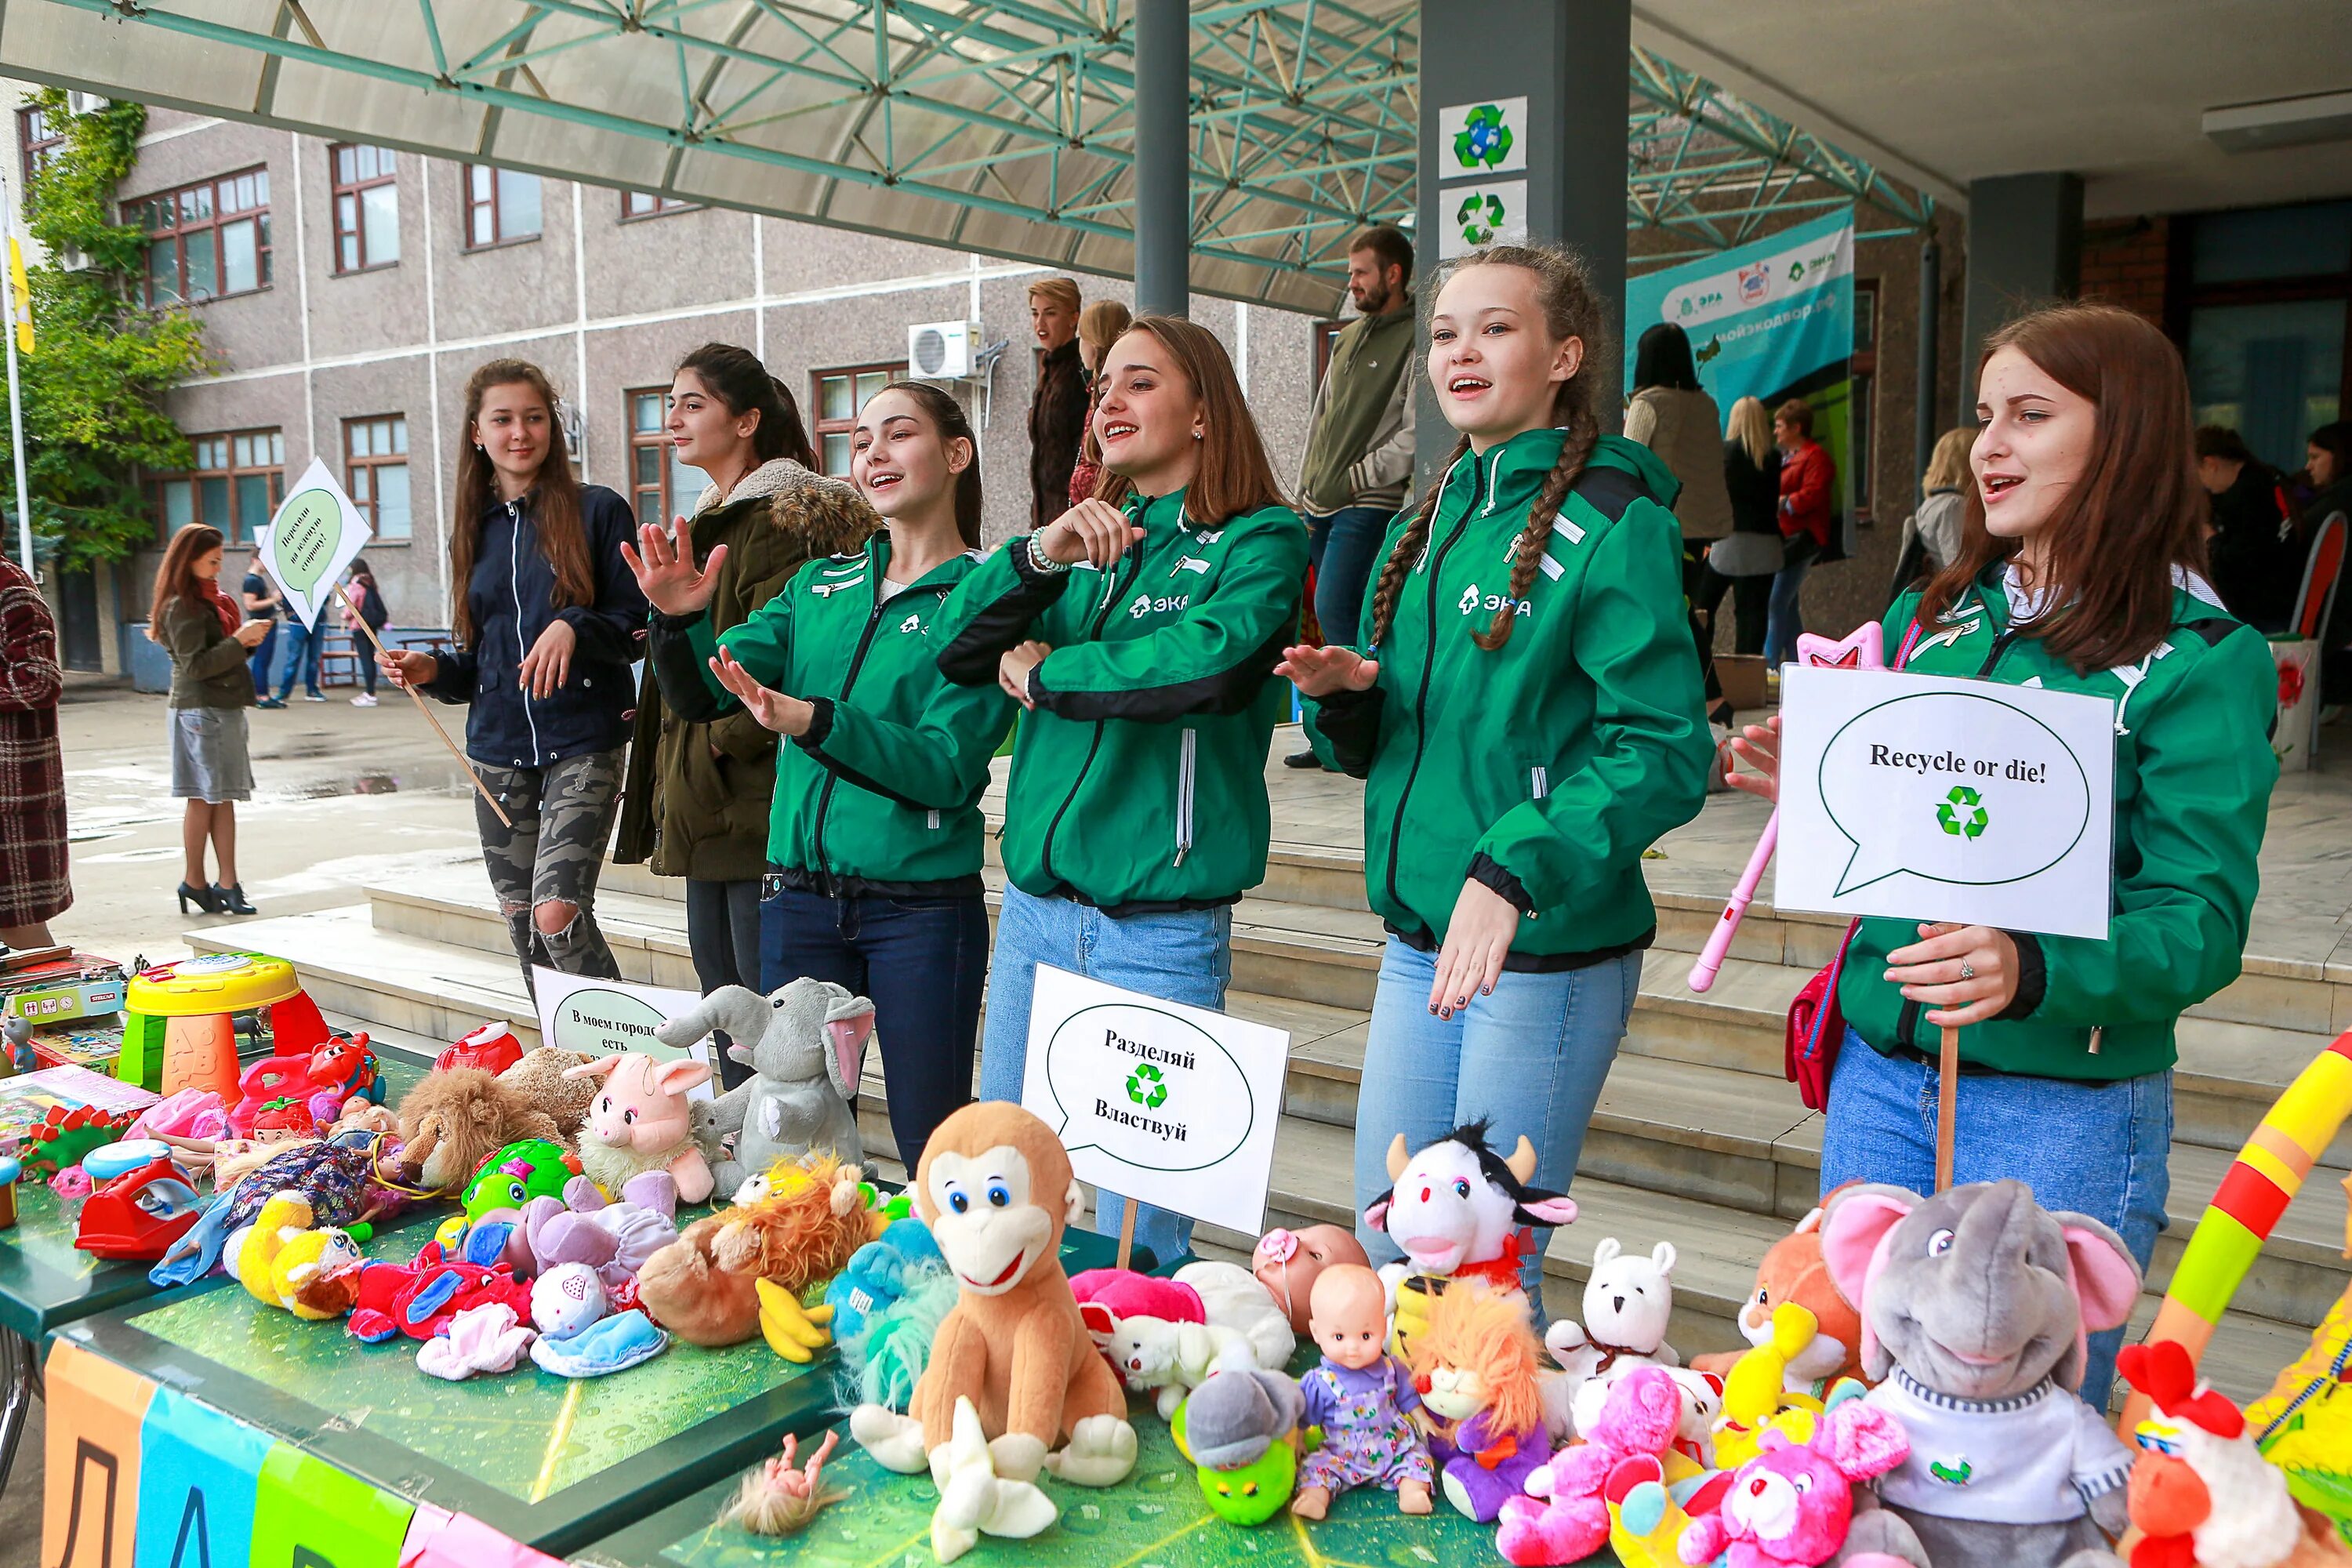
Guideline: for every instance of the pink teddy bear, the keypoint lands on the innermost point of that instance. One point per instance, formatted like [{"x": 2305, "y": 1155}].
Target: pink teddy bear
[
  {"x": 1791, "y": 1505},
  {"x": 1564, "y": 1518}
]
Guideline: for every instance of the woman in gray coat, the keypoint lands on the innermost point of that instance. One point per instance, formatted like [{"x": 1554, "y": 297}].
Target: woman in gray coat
[{"x": 209, "y": 640}]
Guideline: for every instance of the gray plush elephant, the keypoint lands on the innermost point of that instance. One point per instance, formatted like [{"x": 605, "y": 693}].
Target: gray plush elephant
[
  {"x": 1975, "y": 1307},
  {"x": 805, "y": 1045}
]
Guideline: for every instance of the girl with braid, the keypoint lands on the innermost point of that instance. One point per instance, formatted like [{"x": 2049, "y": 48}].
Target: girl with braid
[{"x": 1527, "y": 715}]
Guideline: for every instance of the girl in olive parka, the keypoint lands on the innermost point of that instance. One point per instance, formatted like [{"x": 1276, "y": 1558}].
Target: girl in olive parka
[{"x": 1527, "y": 717}]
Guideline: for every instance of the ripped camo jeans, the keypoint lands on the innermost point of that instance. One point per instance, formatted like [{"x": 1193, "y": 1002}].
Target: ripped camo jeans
[{"x": 544, "y": 867}]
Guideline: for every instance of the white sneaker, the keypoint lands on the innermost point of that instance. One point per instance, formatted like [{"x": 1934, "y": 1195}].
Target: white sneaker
[{"x": 363, "y": 700}]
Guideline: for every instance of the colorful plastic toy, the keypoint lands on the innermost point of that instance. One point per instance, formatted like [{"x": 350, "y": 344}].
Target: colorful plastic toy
[
  {"x": 61, "y": 1140},
  {"x": 492, "y": 1047},
  {"x": 179, "y": 1030},
  {"x": 140, "y": 1214},
  {"x": 10, "y": 1173}
]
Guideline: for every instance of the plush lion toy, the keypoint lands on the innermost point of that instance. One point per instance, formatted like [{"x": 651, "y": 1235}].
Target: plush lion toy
[
  {"x": 807, "y": 1217},
  {"x": 453, "y": 1122}
]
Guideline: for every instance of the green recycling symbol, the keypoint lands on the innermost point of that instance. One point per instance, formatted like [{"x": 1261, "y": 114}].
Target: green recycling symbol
[
  {"x": 1949, "y": 813},
  {"x": 1144, "y": 1088},
  {"x": 1480, "y": 216},
  {"x": 1483, "y": 138}
]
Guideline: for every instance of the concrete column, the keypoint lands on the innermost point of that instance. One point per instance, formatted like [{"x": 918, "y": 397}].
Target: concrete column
[
  {"x": 1163, "y": 163},
  {"x": 1569, "y": 62},
  {"x": 2025, "y": 249}
]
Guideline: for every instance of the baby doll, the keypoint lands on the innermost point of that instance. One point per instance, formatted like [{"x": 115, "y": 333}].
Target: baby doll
[
  {"x": 1475, "y": 1364},
  {"x": 1362, "y": 1400}
]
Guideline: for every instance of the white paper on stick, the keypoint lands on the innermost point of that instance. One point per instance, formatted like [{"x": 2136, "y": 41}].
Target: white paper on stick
[{"x": 312, "y": 539}]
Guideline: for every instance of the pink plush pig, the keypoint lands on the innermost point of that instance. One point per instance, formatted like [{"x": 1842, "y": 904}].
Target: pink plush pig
[{"x": 638, "y": 1122}]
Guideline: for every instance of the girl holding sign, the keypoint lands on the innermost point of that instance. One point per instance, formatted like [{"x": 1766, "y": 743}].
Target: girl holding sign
[
  {"x": 864, "y": 887},
  {"x": 1529, "y": 720},
  {"x": 209, "y": 640},
  {"x": 2078, "y": 571},
  {"x": 546, "y": 622}
]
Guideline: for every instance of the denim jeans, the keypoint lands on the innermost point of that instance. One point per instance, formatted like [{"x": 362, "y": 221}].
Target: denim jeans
[
  {"x": 1530, "y": 1058},
  {"x": 1785, "y": 620},
  {"x": 722, "y": 934},
  {"x": 1181, "y": 956},
  {"x": 1345, "y": 547},
  {"x": 301, "y": 659},
  {"x": 259, "y": 660},
  {"x": 2098, "y": 1149},
  {"x": 924, "y": 962}
]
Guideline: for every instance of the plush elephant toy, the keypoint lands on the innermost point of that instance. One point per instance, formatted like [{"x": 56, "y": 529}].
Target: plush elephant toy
[
  {"x": 805, "y": 1044},
  {"x": 1976, "y": 1304}
]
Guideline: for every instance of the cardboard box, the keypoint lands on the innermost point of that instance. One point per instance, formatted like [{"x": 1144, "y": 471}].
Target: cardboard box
[{"x": 1742, "y": 675}]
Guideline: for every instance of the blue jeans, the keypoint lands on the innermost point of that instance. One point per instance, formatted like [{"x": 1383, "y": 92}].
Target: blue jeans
[
  {"x": 1530, "y": 1058},
  {"x": 1345, "y": 547},
  {"x": 1181, "y": 956},
  {"x": 1784, "y": 621},
  {"x": 301, "y": 659},
  {"x": 922, "y": 961},
  {"x": 260, "y": 662},
  {"x": 2098, "y": 1149}
]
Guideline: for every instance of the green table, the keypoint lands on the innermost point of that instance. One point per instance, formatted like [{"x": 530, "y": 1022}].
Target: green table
[{"x": 551, "y": 1462}]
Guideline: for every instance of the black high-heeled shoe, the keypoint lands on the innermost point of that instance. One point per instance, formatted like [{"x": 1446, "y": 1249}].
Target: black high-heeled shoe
[
  {"x": 232, "y": 899},
  {"x": 208, "y": 899}
]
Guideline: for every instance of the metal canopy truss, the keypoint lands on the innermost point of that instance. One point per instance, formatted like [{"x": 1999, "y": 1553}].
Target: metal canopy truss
[{"x": 999, "y": 126}]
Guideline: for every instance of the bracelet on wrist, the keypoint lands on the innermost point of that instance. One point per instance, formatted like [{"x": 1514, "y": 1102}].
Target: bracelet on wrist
[{"x": 1043, "y": 561}]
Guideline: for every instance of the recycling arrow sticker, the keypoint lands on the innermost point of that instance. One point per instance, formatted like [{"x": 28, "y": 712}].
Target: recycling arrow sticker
[
  {"x": 1488, "y": 136},
  {"x": 1962, "y": 813},
  {"x": 1475, "y": 216}
]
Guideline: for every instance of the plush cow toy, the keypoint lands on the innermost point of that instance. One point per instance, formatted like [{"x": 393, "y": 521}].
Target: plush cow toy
[{"x": 1460, "y": 1211}]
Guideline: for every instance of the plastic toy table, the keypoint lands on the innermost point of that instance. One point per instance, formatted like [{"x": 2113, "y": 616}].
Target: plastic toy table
[{"x": 551, "y": 1463}]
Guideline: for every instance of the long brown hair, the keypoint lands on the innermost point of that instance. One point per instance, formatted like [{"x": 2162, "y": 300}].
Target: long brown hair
[
  {"x": 736, "y": 378},
  {"x": 1570, "y": 309},
  {"x": 1233, "y": 476},
  {"x": 554, "y": 500},
  {"x": 176, "y": 580},
  {"x": 2136, "y": 512},
  {"x": 948, "y": 417}
]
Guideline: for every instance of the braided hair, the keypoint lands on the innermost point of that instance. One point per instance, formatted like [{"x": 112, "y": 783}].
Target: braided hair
[{"x": 1570, "y": 311}]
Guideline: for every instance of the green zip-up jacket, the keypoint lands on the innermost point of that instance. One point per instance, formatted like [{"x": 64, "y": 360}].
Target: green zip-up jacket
[
  {"x": 1139, "y": 779},
  {"x": 829, "y": 636},
  {"x": 2193, "y": 775},
  {"x": 1544, "y": 768}
]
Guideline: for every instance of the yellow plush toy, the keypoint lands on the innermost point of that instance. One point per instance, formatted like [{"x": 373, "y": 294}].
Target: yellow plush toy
[
  {"x": 794, "y": 1331},
  {"x": 1755, "y": 1395},
  {"x": 282, "y": 1261}
]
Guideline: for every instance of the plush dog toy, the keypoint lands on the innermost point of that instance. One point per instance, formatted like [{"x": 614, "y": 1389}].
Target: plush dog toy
[
  {"x": 996, "y": 1188},
  {"x": 640, "y": 1122},
  {"x": 1975, "y": 1307},
  {"x": 805, "y": 1044},
  {"x": 539, "y": 1077},
  {"x": 1791, "y": 1505}
]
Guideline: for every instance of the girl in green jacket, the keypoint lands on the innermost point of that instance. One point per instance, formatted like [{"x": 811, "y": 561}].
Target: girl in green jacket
[
  {"x": 864, "y": 887},
  {"x": 2078, "y": 571},
  {"x": 1138, "y": 633},
  {"x": 1527, "y": 715}
]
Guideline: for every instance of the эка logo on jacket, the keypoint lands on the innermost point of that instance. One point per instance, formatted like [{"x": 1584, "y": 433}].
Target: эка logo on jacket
[
  {"x": 1145, "y": 605},
  {"x": 1473, "y": 601}
]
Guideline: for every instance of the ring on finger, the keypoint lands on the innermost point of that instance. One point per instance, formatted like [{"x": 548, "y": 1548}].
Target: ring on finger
[{"x": 1967, "y": 970}]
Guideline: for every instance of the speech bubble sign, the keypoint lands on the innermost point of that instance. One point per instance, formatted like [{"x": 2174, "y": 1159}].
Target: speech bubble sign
[
  {"x": 1141, "y": 1082},
  {"x": 2007, "y": 800},
  {"x": 1932, "y": 798},
  {"x": 314, "y": 535},
  {"x": 606, "y": 1017}
]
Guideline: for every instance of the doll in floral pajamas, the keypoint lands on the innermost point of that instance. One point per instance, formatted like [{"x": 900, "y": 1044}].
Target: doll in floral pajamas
[{"x": 1362, "y": 1399}]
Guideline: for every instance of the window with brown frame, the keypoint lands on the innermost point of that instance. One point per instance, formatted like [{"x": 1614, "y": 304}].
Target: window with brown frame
[
  {"x": 1326, "y": 334},
  {"x": 838, "y": 396},
  {"x": 367, "y": 206},
  {"x": 660, "y": 487},
  {"x": 40, "y": 139},
  {"x": 1862, "y": 416},
  {"x": 375, "y": 472},
  {"x": 236, "y": 484},
  {"x": 502, "y": 207},
  {"x": 652, "y": 203},
  {"x": 205, "y": 241}
]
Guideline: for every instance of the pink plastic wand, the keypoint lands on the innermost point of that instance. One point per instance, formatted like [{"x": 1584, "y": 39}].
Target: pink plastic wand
[{"x": 1865, "y": 649}]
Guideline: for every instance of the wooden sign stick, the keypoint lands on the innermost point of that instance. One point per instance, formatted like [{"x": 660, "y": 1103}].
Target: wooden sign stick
[
  {"x": 1947, "y": 1094},
  {"x": 426, "y": 709}
]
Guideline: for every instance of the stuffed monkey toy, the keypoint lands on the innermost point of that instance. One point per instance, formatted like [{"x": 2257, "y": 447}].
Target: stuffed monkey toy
[{"x": 996, "y": 1189}]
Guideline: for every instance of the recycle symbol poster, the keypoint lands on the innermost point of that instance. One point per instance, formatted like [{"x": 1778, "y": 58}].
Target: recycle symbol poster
[
  {"x": 1170, "y": 1104},
  {"x": 1472, "y": 216},
  {"x": 1477, "y": 140},
  {"x": 1483, "y": 138}
]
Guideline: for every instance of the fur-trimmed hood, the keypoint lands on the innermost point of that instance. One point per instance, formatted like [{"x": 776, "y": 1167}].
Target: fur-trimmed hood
[{"x": 776, "y": 477}]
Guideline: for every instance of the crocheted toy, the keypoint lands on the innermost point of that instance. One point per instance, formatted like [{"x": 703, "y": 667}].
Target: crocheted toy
[
  {"x": 778, "y": 1499},
  {"x": 805, "y": 1044},
  {"x": 1791, "y": 1505},
  {"x": 1240, "y": 1429},
  {"x": 1459, "y": 1210},
  {"x": 1564, "y": 1515},
  {"x": 639, "y": 1121},
  {"x": 879, "y": 1274},
  {"x": 539, "y": 1077},
  {"x": 1289, "y": 1262},
  {"x": 284, "y": 1261},
  {"x": 807, "y": 1226},
  {"x": 1794, "y": 1273},
  {"x": 1975, "y": 1307},
  {"x": 2201, "y": 1494},
  {"x": 451, "y": 1123},
  {"x": 996, "y": 1188},
  {"x": 1628, "y": 1300},
  {"x": 1474, "y": 1366},
  {"x": 1362, "y": 1399}
]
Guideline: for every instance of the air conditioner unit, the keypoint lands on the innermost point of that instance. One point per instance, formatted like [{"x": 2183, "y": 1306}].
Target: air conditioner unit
[
  {"x": 941, "y": 351},
  {"x": 80, "y": 102}
]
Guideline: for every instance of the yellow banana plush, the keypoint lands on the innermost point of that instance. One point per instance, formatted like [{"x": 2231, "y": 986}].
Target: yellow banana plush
[{"x": 794, "y": 1331}]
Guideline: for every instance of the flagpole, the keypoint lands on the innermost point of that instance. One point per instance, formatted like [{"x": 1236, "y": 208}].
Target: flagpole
[{"x": 15, "y": 407}]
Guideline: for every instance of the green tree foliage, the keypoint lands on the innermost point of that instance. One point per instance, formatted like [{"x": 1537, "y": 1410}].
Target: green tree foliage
[{"x": 94, "y": 386}]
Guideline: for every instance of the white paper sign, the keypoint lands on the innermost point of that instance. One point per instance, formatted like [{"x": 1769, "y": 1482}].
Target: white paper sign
[
  {"x": 1927, "y": 798},
  {"x": 311, "y": 541},
  {"x": 1488, "y": 137},
  {"x": 605, "y": 1017},
  {"x": 1172, "y": 1105}
]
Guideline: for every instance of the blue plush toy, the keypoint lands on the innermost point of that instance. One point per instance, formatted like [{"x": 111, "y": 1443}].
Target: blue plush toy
[{"x": 879, "y": 1274}]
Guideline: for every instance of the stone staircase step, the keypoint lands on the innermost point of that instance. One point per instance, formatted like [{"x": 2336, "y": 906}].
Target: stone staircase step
[{"x": 424, "y": 988}]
